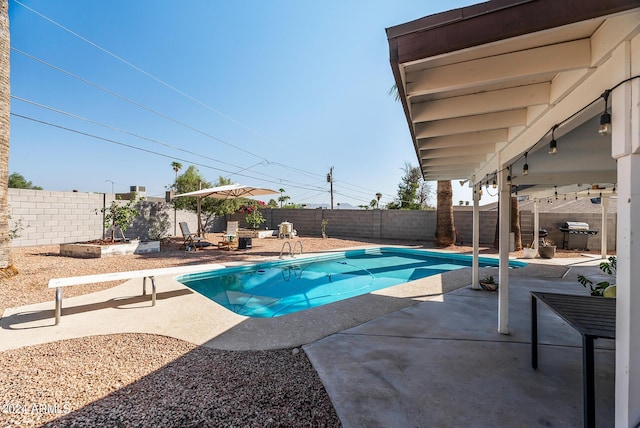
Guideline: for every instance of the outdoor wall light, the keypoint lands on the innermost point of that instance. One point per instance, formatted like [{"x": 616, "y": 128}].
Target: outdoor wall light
[
  {"x": 525, "y": 168},
  {"x": 553, "y": 145},
  {"x": 605, "y": 119}
]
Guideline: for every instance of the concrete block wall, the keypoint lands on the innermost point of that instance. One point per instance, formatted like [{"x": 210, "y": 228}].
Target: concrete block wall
[
  {"x": 552, "y": 221},
  {"x": 463, "y": 220},
  {"x": 385, "y": 224},
  {"x": 408, "y": 225},
  {"x": 46, "y": 217}
]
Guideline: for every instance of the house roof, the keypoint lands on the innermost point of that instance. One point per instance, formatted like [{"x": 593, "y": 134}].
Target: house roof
[{"x": 484, "y": 84}]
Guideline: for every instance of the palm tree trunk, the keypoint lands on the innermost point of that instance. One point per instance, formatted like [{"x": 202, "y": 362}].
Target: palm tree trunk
[
  {"x": 445, "y": 232},
  {"x": 5, "y": 98}
]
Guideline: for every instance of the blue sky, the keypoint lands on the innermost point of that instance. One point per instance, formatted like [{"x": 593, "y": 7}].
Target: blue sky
[{"x": 266, "y": 93}]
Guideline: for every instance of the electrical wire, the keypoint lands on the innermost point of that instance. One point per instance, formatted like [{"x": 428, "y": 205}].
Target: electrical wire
[
  {"x": 140, "y": 70},
  {"x": 86, "y": 134},
  {"x": 135, "y": 103},
  {"x": 162, "y": 82}
]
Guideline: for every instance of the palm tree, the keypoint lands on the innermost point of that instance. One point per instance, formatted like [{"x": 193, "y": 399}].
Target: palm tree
[
  {"x": 378, "y": 196},
  {"x": 177, "y": 166},
  {"x": 445, "y": 231},
  {"x": 282, "y": 198},
  {"x": 5, "y": 240}
]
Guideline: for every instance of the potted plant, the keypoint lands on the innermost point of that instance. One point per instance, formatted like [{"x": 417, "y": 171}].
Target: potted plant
[
  {"x": 546, "y": 249},
  {"x": 488, "y": 283},
  {"x": 254, "y": 217},
  {"x": 530, "y": 252},
  {"x": 602, "y": 288}
]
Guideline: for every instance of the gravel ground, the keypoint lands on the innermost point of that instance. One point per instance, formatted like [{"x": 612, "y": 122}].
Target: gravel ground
[{"x": 149, "y": 380}]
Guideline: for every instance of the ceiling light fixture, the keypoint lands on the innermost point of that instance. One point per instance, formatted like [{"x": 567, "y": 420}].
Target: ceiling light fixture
[{"x": 605, "y": 119}]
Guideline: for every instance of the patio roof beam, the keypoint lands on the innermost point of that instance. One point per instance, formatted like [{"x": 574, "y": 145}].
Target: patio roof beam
[
  {"x": 481, "y": 122},
  {"x": 481, "y": 103},
  {"x": 463, "y": 140},
  {"x": 479, "y": 149},
  {"x": 544, "y": 61}
]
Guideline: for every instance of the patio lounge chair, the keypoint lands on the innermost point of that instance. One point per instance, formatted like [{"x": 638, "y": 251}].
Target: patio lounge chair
[
  {"x": 229, "y": 239},
  {"x": 191, "y": 240}
]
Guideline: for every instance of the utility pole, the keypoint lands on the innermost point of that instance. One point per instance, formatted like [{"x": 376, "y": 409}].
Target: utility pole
[{"x": 330, "y": 181}]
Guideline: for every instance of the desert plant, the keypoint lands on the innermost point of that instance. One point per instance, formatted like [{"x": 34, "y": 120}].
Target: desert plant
[
  {"x": 15, "y": 230},
  {"x": 120, "y": 216},
  {"x": 488, "y": 283},
  {"x": 323, "y": 227},
  {"x": 609, "y": 267}
]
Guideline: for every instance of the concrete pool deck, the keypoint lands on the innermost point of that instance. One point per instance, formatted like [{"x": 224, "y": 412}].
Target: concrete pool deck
[
  {"x": 420, "y": 354},
  {"x": 184, "y": 314}
]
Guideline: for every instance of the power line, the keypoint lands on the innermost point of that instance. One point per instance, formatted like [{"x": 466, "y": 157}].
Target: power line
[
  {"x": 140, "y": 70},
  {"x": 86, "y": 134},
  {"x": 162, "y": 115},
  {"x": 241, "y": 169},
  {"x": 135, "y": 103},
  {"x": 162, "y": 82}
]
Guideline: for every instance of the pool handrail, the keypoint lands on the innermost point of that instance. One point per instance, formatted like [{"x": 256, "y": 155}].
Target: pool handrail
[
  {"x": 295, "y": 245},
  {"x": 282, "y": 250}
]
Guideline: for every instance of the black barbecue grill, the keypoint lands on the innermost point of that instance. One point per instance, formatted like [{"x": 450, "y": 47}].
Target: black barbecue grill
[{"x": 575, "y": 235}]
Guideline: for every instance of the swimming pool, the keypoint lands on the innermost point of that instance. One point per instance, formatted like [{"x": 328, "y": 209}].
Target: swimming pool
[{"x": 276, "y": 288}]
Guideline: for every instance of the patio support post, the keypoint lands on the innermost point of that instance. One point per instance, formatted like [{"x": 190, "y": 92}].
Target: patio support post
[
  {"x": 536, "y": 224},
  {"x": 475, "y": 272},
  {"x": 626, "y": 150},
  {"x": 503, "y": 221},
  {"x": 604, "y": 203}
]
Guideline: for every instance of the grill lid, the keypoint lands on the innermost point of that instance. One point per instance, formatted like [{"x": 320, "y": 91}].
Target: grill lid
[{"x": 576, "y": 225}]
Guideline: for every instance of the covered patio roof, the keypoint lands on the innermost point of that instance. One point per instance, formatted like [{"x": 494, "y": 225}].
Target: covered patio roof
[
  {"x": 484, "y": 84},
  {"x": 485, "y": 88}
]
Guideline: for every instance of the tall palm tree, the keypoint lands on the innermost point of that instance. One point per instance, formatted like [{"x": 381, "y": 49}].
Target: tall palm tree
[
  {"x": 445, "y": 231},
  {"x": 378, "y": 196},
  {"x": 5, "y": 98},
  {"x": 177, "y": 166}
]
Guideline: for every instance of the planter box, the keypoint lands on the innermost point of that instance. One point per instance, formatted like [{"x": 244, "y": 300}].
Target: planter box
[
  {"x": 547, "y": 252},
  {"x": 249, "y": 233},
  {"x": 95, "y": 251},
  {"x": 530, "y": 253}
]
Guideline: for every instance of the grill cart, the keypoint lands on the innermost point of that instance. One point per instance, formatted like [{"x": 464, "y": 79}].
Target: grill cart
[{"x": 575, "y": 235}]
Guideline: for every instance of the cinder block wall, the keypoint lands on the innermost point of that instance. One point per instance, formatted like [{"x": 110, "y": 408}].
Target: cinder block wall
[
  {"x": 43, "y": 217},
  {"x": 463, "y": 220},
  {"x": 385, "y": 224},
  {"x": 46, "y": 218}
]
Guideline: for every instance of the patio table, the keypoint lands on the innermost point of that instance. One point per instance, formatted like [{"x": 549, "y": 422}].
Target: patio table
[{"x": 593, "y": 317}]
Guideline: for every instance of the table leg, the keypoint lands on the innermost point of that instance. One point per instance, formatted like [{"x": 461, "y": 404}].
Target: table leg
[
  {"x": 153, "y": 290},
  {"x": 58, "y": 310},
  {"x": 144, "y": 286},
  {"x": 534, "y": 332},
  {"x": 588, "y": 382}
]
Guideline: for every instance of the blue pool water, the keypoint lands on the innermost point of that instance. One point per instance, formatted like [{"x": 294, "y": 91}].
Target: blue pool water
[{"x": 281, "y": 287}]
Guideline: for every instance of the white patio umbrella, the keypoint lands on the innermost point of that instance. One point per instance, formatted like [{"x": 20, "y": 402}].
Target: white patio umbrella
[{"x": 228, "y": 191}]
